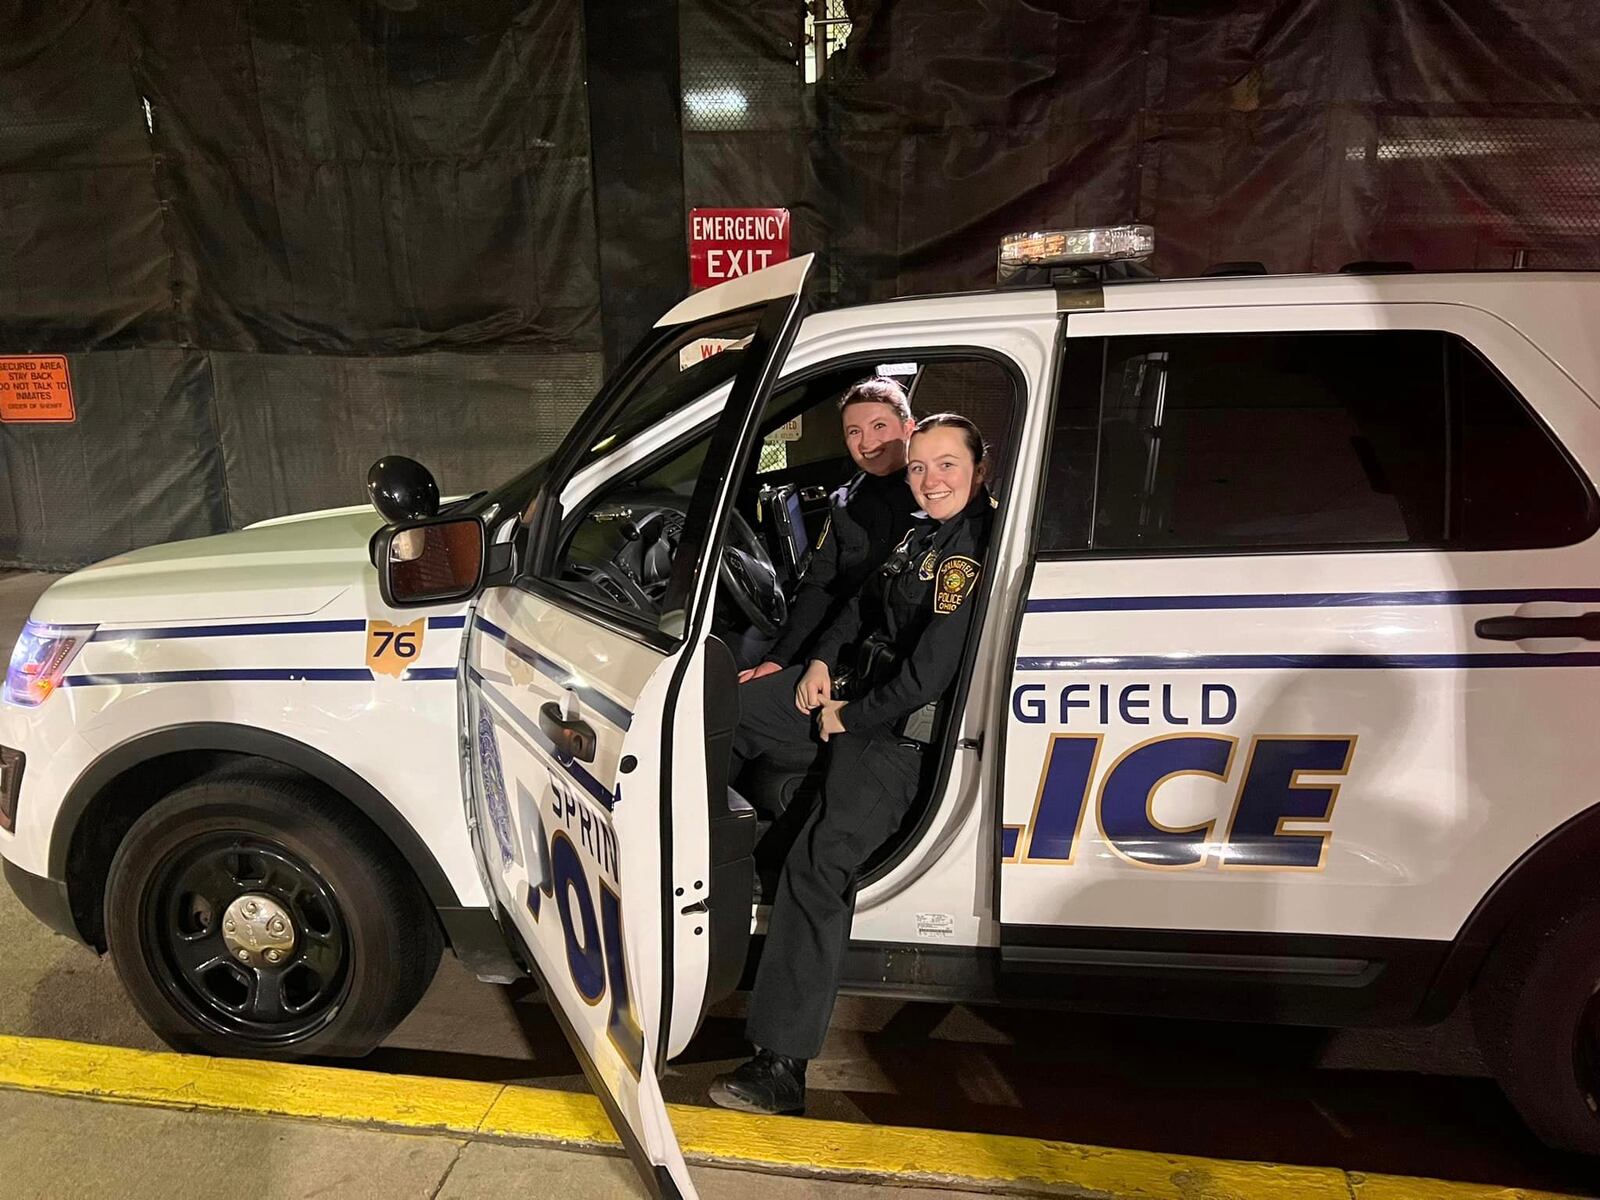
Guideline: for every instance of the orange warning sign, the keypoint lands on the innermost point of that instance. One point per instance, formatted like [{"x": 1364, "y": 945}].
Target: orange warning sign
[{"x": 35, "y": 388}]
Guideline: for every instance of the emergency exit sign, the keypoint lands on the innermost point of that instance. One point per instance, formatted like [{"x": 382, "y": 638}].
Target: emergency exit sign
[{"x": 725, "y": 243}]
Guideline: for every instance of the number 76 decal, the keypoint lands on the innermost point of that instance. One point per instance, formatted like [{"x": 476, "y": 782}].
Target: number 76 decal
[{"x": 393, "y": 648}]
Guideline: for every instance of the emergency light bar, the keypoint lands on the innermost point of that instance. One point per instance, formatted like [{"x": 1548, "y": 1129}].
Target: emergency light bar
[{"x": 1074, "y": 247}]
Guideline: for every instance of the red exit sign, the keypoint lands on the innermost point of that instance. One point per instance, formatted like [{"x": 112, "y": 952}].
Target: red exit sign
[{"x": 725, "y": 243}]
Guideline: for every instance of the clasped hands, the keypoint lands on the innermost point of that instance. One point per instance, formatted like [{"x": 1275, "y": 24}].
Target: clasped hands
[{"x": 814, "y": 694}]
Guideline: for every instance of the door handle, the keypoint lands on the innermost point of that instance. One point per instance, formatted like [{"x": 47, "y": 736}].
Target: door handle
[
  {"x": 571, "y": 734},
  {"x": 812, "y": 494},
  {"x": 1514, "y": 629}
]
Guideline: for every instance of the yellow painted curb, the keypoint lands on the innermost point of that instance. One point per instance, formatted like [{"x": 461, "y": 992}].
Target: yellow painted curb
[
  {"x": 242, "y": 1085},
  {"x": 789, "y": 1144},
  {"x": 1400, "y": 1187},
  {"x": 989, "y": 1160}
]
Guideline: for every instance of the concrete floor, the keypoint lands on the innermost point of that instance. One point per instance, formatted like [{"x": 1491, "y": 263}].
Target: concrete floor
[{"x": 1405, "y": 1101}]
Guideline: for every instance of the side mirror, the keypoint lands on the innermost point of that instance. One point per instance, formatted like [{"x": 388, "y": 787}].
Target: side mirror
[
  {"x": 402, "y": 489},
  {"x": 430, "y": 564}
]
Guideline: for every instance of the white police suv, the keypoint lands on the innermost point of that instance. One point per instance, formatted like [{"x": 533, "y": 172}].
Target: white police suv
[{"x": 1281, "y": 704}]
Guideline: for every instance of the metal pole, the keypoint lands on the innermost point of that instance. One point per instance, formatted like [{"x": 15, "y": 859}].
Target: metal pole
[{"x": 819, "y": 36}]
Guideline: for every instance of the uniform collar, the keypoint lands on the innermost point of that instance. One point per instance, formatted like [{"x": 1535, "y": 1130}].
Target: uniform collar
[
  {"x": 980, "y": 504},
  {"x": 868, "y": 479}
]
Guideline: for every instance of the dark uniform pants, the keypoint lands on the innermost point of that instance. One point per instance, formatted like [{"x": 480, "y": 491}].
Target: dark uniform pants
[{"x": 869, "y": 784}]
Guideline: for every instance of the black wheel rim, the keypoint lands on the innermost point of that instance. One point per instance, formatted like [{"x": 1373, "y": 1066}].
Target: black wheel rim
[{"x": 256, "y": 1003}]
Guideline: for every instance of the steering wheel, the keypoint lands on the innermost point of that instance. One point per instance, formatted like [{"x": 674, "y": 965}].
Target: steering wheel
[
  {"x": 636, "y": 575},
  {"x": 747, "y": 573}
]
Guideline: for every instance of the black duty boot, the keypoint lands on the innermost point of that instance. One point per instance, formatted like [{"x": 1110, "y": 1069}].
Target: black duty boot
[{"x": 768, "y": 1083}]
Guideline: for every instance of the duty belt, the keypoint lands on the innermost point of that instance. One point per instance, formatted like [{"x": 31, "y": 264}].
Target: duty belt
[{"x": 875, "y": 662}]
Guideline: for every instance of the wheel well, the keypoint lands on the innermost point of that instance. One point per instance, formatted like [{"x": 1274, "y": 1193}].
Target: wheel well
[
  {"x": 126, "y": 782},
  {"x": 1558, "y": 869},
  {"x": 109, "y": 815}
]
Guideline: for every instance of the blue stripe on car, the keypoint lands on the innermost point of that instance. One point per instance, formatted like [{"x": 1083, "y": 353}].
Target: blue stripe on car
[
  {"x": 224, "y": 674},
  {"x": 1312, "y": 600},
  {"x": 249, "y": 629},
  {"x": 1301, "y": 662},
  {"x": 550, "y": 669}
]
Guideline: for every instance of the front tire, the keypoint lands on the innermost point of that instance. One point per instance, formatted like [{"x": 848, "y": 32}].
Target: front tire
[
  {"x": 1536, "y": 1012},
  {"x": 250, "y": 915}
]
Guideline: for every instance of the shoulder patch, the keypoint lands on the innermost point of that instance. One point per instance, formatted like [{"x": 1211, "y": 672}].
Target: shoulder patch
[{"x": 956, "y": 576}]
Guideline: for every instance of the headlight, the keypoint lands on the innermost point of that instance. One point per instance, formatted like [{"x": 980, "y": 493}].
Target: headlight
[{"x": 39, "y": 660}]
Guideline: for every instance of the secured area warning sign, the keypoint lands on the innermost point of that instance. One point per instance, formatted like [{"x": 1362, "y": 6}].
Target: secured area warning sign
[
  {"x": 35, "y": 388},
  {"x": 725, "y": 243}
]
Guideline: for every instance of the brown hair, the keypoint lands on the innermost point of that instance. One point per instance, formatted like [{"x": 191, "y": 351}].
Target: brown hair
[
  {"x": 880, "y": 389},
  {"x": 950, "y": 420}
]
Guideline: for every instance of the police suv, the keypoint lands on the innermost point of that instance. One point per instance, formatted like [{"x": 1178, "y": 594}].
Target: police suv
[{"x": 1280, "y": 704}]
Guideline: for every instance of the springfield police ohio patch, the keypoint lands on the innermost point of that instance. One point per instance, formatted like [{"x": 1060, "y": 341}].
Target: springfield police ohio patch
[{"x": 956, "y": 575}]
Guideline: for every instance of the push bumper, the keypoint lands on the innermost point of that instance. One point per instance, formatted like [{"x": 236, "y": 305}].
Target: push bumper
[{"x": 45, "y": 898}]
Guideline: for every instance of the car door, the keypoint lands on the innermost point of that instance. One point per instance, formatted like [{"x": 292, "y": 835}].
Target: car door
[
  {"x": 597, "y": 710},
  {"x": 1280, "y": 673}
]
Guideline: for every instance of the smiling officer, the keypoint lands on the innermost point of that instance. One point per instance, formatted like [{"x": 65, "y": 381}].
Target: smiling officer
[
  {"x": 866, "y": 518},
  {"x": 908, "y": 632}
]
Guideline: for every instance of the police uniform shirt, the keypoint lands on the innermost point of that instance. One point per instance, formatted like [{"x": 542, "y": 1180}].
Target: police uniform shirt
[
  {"x": 924, "y": 593},
  {"x": 866, "y": 519}
]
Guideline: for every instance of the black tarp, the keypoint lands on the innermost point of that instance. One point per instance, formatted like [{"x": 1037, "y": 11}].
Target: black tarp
[
  {"x": 140, "y": 465},
  {"x": 283, "y": 239},
  {"x": 475, "y": 419},
  {"x": 278, "y": 239},
  {"x": 362, "y": 178},
  {"x": 1304, "y": 134},
  {"x": 83, "y": 260}
]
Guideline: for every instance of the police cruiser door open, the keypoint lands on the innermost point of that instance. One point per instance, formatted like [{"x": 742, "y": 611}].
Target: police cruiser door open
[
  {"x": 1278, "y": 704},
  {"x": 598, "y": 706}
]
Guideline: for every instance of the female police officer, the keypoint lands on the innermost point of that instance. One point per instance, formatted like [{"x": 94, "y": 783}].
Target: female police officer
[
  {"x": 867, "y": 516},
  {"x": 908, "y": 628}
]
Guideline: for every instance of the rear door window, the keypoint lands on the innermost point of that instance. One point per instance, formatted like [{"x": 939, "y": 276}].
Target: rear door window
[{"x": 1267, "y": 441}]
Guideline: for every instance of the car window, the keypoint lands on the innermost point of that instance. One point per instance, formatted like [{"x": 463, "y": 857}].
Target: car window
[
  {"x": 1281, "y": 440},
  {"x": 619, "y": 548},
  {"x": 981, "y": 390},
  {"x": 1515, "y": 485},
  {"x": 811, "y": 436}
]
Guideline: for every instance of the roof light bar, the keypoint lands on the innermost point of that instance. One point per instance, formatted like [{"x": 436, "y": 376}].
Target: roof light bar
[{"x": 1074, "y": 247}]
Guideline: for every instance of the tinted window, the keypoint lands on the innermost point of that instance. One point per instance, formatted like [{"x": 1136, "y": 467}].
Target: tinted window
[
  {"x": 1514, "y": 487},
  {"x": 1258, "y": 441}
]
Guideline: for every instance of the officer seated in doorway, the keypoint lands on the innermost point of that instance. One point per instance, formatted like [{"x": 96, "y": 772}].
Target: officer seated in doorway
[
  {"x": 866, "y": 517},
  {"x": 908, "y": 628}
]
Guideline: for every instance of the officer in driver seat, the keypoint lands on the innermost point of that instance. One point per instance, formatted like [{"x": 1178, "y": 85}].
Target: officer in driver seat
[{"x": 865, "y": 520}]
